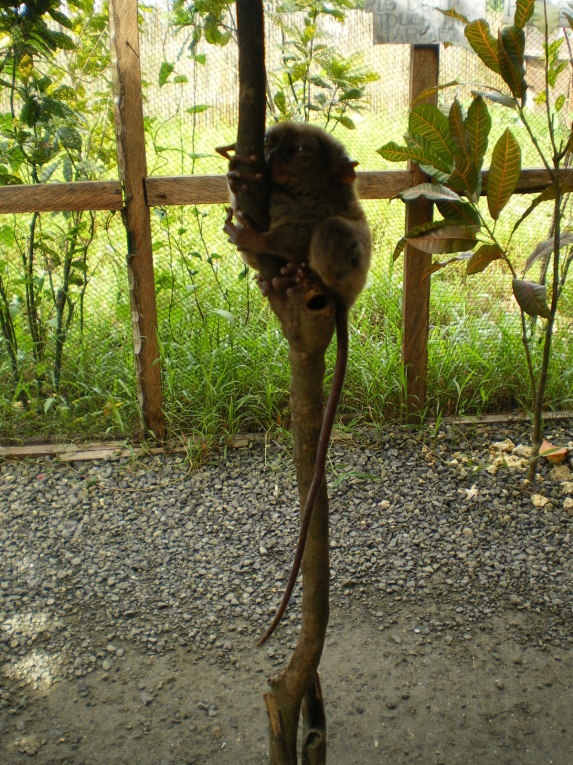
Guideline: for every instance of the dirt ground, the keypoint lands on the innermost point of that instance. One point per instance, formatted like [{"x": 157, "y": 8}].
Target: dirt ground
[{"x": 396, "y": 692}]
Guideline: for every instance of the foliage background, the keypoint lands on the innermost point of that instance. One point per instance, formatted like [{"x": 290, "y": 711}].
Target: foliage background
[{"x": 66, "y": 365}]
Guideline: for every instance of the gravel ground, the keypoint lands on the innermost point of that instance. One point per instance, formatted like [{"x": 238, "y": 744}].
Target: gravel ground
[{"x": 131, "y": 594}]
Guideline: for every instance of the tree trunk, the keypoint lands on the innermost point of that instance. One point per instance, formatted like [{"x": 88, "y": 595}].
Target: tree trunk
[
  {"x": 308, "y": 325},
  {"x": 308, "y": 330}
]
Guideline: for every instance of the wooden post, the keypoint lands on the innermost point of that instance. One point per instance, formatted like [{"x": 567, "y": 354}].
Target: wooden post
[
  {"x": 424, "y": 71},
  {"x": 128, "y": 111}
]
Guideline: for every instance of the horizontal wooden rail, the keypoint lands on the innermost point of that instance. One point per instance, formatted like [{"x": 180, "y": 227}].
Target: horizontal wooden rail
[
  {"x": 186, "y": 190},
  {"x": 57, "y": 197},
  {"x": 202, "y": 190},
  {"x": 212, "y": 189},
  {"x": 378, "y": 184}
]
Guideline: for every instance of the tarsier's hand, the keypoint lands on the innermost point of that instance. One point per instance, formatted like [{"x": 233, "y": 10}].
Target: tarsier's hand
[
  {"x": 243, "y": 233},
  {"x": 242, "y": 172}
]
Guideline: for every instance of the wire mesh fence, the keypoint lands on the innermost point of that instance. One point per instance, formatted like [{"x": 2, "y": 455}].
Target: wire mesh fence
[{"x": 66, "y": 360}]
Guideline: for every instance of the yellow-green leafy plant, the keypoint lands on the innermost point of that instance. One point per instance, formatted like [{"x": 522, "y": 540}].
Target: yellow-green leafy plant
[{"x": 451, "y": 149}]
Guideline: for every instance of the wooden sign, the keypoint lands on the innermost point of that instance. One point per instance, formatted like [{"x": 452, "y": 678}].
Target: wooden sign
[{"x": 419, "y": 22}]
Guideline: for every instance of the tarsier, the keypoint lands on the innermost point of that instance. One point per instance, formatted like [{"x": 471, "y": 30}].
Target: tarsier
[{"x": 318, "y": 228}]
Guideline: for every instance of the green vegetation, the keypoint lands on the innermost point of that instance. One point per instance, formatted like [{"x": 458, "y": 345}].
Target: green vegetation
[
  {"x": 451, "y": 149},
  {"x": 66, "y": 365}
]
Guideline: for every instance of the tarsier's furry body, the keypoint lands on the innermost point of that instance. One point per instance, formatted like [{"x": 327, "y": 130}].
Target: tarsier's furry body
[{"x": 317, "y": 226}]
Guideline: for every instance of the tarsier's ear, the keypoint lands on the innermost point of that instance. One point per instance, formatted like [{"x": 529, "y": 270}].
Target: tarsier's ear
[{"x": 344, "y": 172}]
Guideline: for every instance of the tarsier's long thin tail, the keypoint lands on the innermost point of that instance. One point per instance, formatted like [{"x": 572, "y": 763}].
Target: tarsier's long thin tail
[{"x": 320, "y": 464}]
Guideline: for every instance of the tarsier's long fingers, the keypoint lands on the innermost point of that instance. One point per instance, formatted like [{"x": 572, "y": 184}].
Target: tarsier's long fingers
[
  {"x": 224, "y": 151},
  {"x": 242, "y": 159},
  {"x": 263, "y": 285},
  {"x": 296, "y": 277},
  {"x": 229, "y": 226},
  {"x": 239, "y": 181}
]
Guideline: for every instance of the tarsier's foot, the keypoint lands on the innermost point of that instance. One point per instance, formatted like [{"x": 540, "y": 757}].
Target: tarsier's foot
[{"x": 296, "y": 277}]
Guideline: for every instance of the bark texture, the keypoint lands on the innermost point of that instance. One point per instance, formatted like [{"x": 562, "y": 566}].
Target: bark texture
[{"x": 308, "y": 322}]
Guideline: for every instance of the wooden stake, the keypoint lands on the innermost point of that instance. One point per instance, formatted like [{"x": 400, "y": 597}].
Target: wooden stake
[
  {"x": 424, "y": 70},
  {"x": 128, "y": 111}
]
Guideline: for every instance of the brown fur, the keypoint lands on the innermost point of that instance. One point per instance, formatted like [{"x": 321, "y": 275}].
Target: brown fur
[{"x": 315, "y": 220}]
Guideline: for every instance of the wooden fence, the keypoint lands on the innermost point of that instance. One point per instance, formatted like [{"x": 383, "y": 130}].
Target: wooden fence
[{"x": 136, "y": 192}]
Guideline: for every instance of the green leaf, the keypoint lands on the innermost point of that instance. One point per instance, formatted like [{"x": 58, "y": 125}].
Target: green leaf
[
  {"x": 514, "y": 44},
  {"x": 8, "y": 179},
  {"x": 511, "y": 74},
  {"x": 539, "y": 14},
  {"x": 555, "y": 71},
  {"x": 460, "y": 212},
  {"x": 280, "y": 101},
  {"x": 482, "y": 257},
  {"x": 69, "y": 138},
  {"x": 440, "y": 238},
  {"x": 483, "y": 42},
  {"x": 432, "y": 159},
  {"x": 437, "y": 266},
  {"x": 180, "y": 79},
  {"x": 546, "y": 248},
  {"x": 7, "y": 236},
  {"x": 15, "y": 306},
  {"x": 351, "y": 94},
  {"x": 465, "y": 176},
  {"x": 546, "y": 195},
  {"x": 67, "y": 169},
  {"x": 457, "y": 127},
  {"x": 415, "y": 230},
  {"x": 430, "y": 123},
  {"x": 30, "y": 112},
  {"x": 532, "y": 298},
  {"x": 559, "y": 102},
  {"x": 478, "y": 125},
  {"x": 48, "y": 171},
  {"x": 398, "y": 249},
  {"x": 346, "y": 122},
  {"x": 497, "y": 98},
  {"x": 433, "y": 191},
  {"x": 433, "y": 90},
  {"x": 213, "y": 33},
  {"x": 503, "y": 173},
  {"x": 60, "y": 18},
  {"x": 523, "y": 12},
  {"x": 164, "y": 71},
  {"x": 453, "y": 14},
  {"x": 224, "y": 315},
  {"x": 198, "y": 108},
  {"x": 48, "y": 404},
  {"x": 395, "y": 153}
]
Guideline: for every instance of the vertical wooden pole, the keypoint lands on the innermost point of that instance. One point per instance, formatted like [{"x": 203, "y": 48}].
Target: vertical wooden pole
[
  {"x": 128, "y": 111},
  {"x": 424, "y": 71}
]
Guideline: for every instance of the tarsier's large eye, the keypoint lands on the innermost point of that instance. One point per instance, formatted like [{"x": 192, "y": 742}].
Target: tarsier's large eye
[{"x": 303, "y": 151}]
